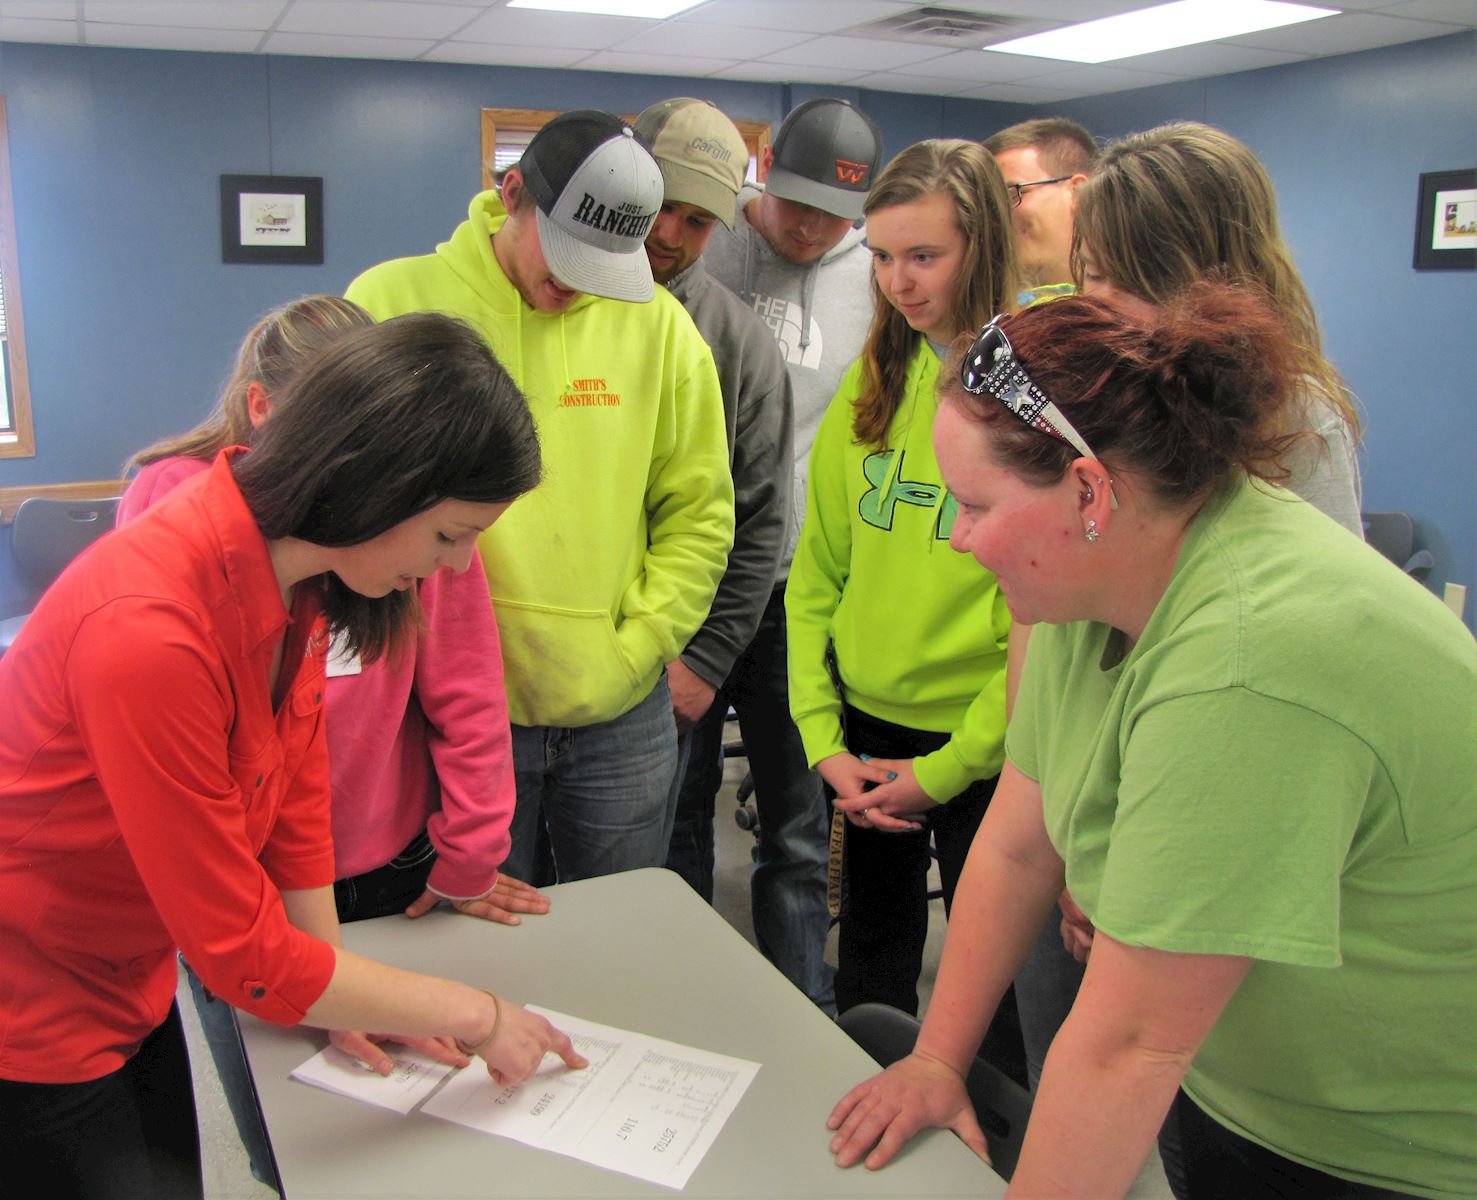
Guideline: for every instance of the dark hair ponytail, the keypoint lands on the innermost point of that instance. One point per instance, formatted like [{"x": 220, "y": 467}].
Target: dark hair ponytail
[{"x": 1186, "y": 401}]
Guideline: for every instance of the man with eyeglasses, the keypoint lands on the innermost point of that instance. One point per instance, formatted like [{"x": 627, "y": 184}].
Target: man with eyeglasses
[{"x": 1043, "y": 161}]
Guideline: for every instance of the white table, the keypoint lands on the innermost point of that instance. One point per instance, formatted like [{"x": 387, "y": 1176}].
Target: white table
[{"x": 639, "y": 951}]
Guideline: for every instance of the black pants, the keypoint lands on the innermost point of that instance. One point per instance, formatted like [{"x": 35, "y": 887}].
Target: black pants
[
  {"x": 884, "y": 911},
  {"x": 1203, "y": 1160},
  {"x": 128, "y": 1135},
  {"x": 389, "y": 889}
]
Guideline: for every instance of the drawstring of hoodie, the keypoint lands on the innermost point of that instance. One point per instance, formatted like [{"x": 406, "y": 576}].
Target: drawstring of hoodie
[
  {"x": 566, "y": 385},
  {"x": 807, "y": 301}
]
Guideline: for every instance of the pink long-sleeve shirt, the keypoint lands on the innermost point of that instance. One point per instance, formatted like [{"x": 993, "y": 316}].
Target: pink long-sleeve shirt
[{"x": 415, "y": 740}]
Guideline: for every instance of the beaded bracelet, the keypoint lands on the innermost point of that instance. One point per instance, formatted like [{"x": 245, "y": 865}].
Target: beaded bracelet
[{"x": 497, "y": 1020}]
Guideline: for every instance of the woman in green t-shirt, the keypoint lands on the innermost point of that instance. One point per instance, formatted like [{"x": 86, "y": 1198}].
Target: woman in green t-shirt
[{"x": 1244, "y": 741}]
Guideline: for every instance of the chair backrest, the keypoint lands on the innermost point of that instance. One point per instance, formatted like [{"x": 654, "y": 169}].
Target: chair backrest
[
  {"x": 1393, "y": 535},
  {"x": 1002, "y": 1106},
  {"x": 48, "y": 534}
]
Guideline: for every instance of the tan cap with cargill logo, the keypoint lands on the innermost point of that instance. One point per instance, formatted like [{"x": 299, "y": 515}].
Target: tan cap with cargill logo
[{"x": 700, "y": 152}]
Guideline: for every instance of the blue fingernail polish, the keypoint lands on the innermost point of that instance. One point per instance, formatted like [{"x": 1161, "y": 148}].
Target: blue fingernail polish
[
  {"x": 891, "y": 775},
  {"x": 865, "y": 757}
]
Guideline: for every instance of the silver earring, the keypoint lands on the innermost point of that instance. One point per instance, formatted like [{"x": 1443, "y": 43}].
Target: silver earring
[{"x": 1090, "y": 533}]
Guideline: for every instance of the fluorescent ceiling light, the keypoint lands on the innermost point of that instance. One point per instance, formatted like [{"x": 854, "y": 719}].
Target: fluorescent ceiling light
[
  {"x": 1162, "y": 27},
  {"x": 656, "y": 9}
]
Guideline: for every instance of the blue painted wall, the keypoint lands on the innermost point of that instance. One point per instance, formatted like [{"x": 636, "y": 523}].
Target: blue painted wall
[{"x": 131, "y": 318}]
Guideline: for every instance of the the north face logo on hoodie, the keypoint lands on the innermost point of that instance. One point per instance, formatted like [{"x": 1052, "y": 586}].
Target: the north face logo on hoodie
[{"x": 783, "y": 318}]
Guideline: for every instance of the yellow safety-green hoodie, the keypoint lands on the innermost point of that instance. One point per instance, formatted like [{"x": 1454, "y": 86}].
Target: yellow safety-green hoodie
[{"x": 603, "y": 572}]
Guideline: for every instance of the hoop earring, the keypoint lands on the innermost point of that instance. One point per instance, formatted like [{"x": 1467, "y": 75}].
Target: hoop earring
[{"x": 1090, "y": 533}]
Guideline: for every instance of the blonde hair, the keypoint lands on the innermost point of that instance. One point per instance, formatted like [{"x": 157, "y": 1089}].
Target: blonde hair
[
  {"x": 988, "y": 276},
  {"x": 1185, "y": 202},
  {"x": 271, "y": 354}
]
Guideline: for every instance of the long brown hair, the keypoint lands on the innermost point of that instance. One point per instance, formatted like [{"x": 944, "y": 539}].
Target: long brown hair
[
  {"x": 381, "y": 425},
  {"x": 1186, "y": 201},
  {"x": 988, "y": 275},
  {"x": 271, "y": 353}
]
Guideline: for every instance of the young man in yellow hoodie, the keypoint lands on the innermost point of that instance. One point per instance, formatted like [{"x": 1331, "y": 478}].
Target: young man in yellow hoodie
[{"x": 604, "y": 572}]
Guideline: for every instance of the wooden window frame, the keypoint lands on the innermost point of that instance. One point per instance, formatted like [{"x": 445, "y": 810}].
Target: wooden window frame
[
  {"x": 530, "y": 120},
  {"x": 21, "y": 443}
]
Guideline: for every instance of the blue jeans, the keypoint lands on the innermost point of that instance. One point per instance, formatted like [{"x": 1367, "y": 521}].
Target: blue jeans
[
  {"x": 788, "y": 885},
  {"x": 1045, "y": 989},
  {"x": 603, "y": 792}
]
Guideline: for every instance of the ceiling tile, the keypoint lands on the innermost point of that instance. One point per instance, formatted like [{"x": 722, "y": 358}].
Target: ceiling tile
[
  {"x": 1458, "y": 12},
  {"x": 1017, "y": 93},
  {"x": 710, "y": 41},
  {"x": 980, "y": 66},
  {"x": 343, "y": 45},
  {"x": 1208, "y": 58},
  {"x": 500, "y": 54},
  {"x": 386, "y": 18},
  {"x": 1053, "y": 12},
  {"x": 1095, "y": 78},
  {"x": 526, "y": 27},
  {"x": 864, "y": 54},
  {"x": 922, "y": 85},
  {"x": 39, "y": 10},
  {"x": 20, "y": 29},
  {"x": 186, "y": 14},
  {"x": 764, "y": 72},
  {"x": 1342, "y": 34},
  {"x": 153, "y": 37},
  {"x": 654, "y": 64},
  {"x": 805, "y": 16}
]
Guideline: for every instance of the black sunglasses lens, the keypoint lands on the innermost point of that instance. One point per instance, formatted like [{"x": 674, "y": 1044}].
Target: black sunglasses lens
[{"x": 980, "y": 359}]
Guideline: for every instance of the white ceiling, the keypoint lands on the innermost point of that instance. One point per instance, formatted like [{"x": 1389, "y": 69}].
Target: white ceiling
[{"x": 794, "y": 41}]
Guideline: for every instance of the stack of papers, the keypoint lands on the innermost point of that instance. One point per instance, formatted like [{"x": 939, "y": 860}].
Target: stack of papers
[{"x": 644, "y": 1106}]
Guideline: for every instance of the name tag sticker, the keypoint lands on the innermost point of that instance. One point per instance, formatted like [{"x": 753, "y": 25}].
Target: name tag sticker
[{"x": 340, "y": 661}]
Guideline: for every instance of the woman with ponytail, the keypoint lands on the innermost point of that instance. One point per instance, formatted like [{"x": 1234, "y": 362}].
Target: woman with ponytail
[{"x": 1244, "y": 740}]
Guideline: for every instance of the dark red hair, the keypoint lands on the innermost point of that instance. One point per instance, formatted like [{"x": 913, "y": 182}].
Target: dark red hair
[{"x": 1185, "y": 401}]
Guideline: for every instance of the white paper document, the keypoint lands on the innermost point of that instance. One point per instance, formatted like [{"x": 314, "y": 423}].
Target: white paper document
[
  {"x": 644, "y": 1106},
  {"x": 407, "y": 1085}
]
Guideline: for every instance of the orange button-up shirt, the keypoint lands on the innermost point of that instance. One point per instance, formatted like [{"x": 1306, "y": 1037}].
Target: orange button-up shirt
[{"x": 151, "y": 794}]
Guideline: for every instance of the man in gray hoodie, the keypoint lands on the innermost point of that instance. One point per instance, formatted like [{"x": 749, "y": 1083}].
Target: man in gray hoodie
[
  {"x": 702, "y": 156},
  {"x": 795, "y": 255}
]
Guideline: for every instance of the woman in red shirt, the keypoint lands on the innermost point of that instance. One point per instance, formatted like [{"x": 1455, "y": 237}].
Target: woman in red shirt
[{"x": 164, "y": 778}]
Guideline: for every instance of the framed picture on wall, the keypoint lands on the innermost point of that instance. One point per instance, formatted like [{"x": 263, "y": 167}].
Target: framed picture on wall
[
  {"x": 271, "y": 219},
  {"x": 1446, "y": 221}
]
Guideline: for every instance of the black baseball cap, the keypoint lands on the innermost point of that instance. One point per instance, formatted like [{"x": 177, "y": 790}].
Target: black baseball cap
[{"x": 826, "y": 155}]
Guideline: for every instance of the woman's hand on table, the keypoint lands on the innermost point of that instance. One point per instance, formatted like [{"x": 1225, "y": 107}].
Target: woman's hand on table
[
  {"x": 365, "y": 1048},
  {"x": 518, "y": 1042},
  {"x": 508, "y": 898},
  {"x": 876, "y": 1118}
]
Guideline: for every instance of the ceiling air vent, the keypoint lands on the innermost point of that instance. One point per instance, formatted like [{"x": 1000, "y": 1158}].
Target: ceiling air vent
[{"x": 945, "y": 27}]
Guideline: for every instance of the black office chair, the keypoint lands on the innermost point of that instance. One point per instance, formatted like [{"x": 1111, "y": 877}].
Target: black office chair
[
  {"x": 1393, "y": 535},
  {"x": 45, "y": 536},
  {"x": 1002, "y": 1106}
]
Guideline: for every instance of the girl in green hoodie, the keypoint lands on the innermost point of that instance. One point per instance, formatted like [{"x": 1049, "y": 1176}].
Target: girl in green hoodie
[{"x": 897, "y": 644}]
